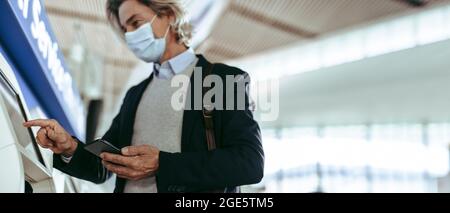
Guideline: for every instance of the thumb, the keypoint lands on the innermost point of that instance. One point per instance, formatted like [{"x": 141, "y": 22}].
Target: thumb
[{"x": 51, "y": 134}]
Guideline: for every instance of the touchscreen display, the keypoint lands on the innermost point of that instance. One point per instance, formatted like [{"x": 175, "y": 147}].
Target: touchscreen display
[{"x": 17, "y": 116}]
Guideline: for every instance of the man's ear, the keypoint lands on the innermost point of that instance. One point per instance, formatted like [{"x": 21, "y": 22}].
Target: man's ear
[
  {"x": 171, "y": 19},
  {"x": 170, "y": 15}
]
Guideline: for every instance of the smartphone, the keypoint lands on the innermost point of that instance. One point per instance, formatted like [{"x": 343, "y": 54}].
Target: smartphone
[{"x": 100, "y": 146}]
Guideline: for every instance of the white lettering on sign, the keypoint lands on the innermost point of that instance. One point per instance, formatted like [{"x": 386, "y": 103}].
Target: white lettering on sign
[
  {"x": 23, "y": 5},
  {"x": 49, "y": 52}
]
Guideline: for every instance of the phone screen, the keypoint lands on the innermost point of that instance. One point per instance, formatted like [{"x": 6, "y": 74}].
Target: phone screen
[{"x": 100, "y": 146}]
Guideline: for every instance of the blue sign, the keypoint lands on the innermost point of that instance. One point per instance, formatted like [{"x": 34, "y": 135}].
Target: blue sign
[{"x": 30, "y": 43}]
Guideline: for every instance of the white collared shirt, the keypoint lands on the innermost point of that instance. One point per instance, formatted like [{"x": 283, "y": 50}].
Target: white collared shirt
[{"x": 174, "y": 66}]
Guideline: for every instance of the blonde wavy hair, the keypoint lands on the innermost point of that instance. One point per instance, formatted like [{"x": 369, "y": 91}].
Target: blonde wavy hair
[{"x": 181, "y": 26}]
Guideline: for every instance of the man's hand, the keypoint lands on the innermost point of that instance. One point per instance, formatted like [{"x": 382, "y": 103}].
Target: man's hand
[
  {"x": 54, "y": 137},
  {"x": 137, "y": 162}
]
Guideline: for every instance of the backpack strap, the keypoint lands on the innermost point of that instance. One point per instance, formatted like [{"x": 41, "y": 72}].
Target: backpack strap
[{"x": 208, "y": 111}]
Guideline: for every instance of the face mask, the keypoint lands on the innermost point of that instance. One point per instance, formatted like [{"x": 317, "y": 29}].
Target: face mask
[{"x": 144, "y": 44}]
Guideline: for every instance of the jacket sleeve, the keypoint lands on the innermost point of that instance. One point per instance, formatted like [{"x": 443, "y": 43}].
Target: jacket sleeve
[
  {"x": 85, "y": 165},
  {"x": 239, "y": 160}
]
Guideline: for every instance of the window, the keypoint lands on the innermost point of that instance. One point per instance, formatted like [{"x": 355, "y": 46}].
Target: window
[{"x": 342, "y": 159}]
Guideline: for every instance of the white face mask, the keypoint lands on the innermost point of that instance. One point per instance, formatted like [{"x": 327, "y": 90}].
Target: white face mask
[{"x": 144, "y": 44}]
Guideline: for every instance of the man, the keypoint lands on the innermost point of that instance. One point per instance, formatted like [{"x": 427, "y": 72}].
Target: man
[{"x": 164, "y": 150}]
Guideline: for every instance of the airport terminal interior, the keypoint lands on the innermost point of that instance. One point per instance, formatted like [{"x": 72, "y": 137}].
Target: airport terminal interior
[{"x": 351, "y": 95}]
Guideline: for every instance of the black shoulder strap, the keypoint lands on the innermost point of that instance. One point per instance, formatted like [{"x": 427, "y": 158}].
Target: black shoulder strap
[{"x": 208, "y": 110}]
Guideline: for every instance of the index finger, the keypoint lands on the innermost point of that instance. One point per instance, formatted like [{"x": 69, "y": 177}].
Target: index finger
[
  {"x": 39, "y": 122},
  {"x": 136, "y": 150}
]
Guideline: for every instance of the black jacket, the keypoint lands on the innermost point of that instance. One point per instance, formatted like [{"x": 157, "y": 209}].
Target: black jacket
[{"x": 238, "y": 160}]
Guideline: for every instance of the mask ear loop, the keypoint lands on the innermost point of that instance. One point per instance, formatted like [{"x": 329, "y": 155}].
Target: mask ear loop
[
  {"x": 153, "y": 19},
  {"x": 168, "y": 28},
  {"x": 165, "y": 36},
  {"x": 167, "y": 31}
]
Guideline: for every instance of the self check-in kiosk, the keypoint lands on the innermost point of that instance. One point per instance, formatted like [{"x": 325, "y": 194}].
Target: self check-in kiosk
[
  {"x": 34, "y": 83},
  {"x": 19, "y": 151}
]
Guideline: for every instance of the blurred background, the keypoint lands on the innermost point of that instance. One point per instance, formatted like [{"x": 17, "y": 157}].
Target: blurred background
[{"x": 363, "y": 97}]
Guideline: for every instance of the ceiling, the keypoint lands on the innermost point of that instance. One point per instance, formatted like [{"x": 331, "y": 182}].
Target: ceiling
[
  {"x": 242, "y": 28},
  {"x": 250, "y": 26}
]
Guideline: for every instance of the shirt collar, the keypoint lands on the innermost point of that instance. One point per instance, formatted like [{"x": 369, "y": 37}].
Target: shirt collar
[{"x": 176, "y": 65}]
